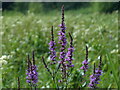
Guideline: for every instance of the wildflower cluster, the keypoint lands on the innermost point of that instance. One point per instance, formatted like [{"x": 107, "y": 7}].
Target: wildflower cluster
[
  {"x": 95, "y": 77},
  {"x": 32, "y": 75},
  {"x": 62, "y": 37},
  {"x": 66, "y": 58},
  {"x": 64, "y": 63},
  {"x": 63, "y": 42}
]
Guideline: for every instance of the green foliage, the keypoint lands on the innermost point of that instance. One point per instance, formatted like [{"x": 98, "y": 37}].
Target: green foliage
[
  {"x": 38, "y": 7},
  {"x": 21, "y": 6},
  {"x": 23, "y": 33},
  {"x": 104, "y": 6}
]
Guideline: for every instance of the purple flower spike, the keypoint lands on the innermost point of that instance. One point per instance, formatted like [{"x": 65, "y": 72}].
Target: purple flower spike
[
  {"x": 62, "y": 36},
  {"x": 98, "y": 71},
  {"x": 52, "y": 47},
  {"x": 69, "y": 54},
  {"x": 63, "y": 42},
  {"x": 95, "y": 78},
  {"x": 32, "y": 75},
  {"x": 85, "y": 62}
]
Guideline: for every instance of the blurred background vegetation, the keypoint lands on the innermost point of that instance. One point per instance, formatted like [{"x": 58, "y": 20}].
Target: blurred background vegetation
[
  {"x": 26, "y": 27},
  {"x": 37, "y": 7}
]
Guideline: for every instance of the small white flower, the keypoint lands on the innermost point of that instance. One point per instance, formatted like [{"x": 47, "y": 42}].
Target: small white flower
[
  {"x": 114, "y": 51},
  {"x": 43, "y": 87},
  {"x": 47, "y": 86},
  {"x": 48, "y": 59},
  {"x": 3, "y": 57},
  {"x": 91, "y": 49},
  {"x": 98, "y": 57},
  {"x": 3, "y": 62}
]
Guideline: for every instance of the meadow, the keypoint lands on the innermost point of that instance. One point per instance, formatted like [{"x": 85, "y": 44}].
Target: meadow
[{"x": 23, "y": 33}]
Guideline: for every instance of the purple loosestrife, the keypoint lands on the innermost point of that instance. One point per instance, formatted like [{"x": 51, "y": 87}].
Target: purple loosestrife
[
  {"x": 93, "y": 82},
  {"x": 62, "y": 37},
  {"x": 63, "y": 42},
  {"x": 85, "y": 62},
  {"x": 32, "y": 75},
  {"x": 95, "y": 78},
  {"x": 98, "y": 71},
  {"x": 69, "y": 54},
  {"x": 52, "y": 47}
]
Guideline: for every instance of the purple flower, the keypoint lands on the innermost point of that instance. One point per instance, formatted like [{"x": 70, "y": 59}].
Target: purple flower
[
  {"x": 98, "y": 73},
  {"x": 63, "y": 42},
  {"x": 69, "y": 54},
  {"x": 95, "y": 77},
  {"x": 85, "y": 65},
  {"x": 52, "y": 47},
  {"x": 93, "y": 80},
  {"x": 32, "y": 75},
  {"x": 59, "y": 81},
  {"x": 62, "y": 36},
  {"x": 85, "y": 62}
]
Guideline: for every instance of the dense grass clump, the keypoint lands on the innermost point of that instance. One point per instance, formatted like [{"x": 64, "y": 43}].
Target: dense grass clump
[{"x": 22, "y": 34}]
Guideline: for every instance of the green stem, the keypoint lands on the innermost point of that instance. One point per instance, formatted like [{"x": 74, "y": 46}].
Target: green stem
[{"x": 54, "y": 74}]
